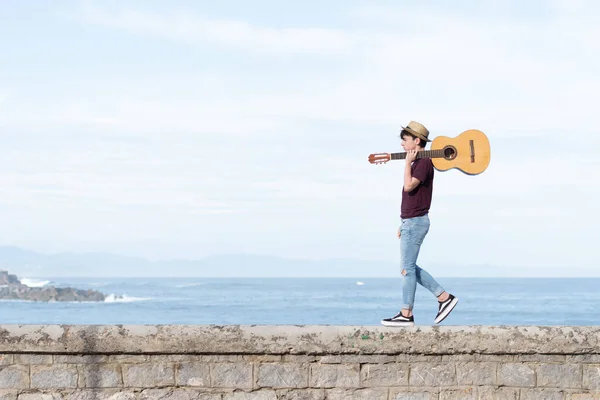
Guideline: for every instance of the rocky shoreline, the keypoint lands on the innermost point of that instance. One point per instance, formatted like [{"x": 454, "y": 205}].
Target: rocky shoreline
[{"x": 11, "y": 288}]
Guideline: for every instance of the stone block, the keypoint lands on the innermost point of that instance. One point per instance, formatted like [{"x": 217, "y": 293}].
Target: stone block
[
  {"x": 33, "y": 359},
  {"x": 55, "y": 376},
  {"x": 262, "y": 358},
  {"x": 357, "y": 394},
  {"x": 414, "y": 394},
  {"x": 562, "y": 376},
  {"x": 493, "y": 358},
  {"x": 221, "y": 358},
  {"x": 591, "y": 377},
  {"x": 458, "y": 358},
  {"x": 125, "y": 358},
  {"x": 6, "y": 359},
  {"x": 468, "y": 393},
  {"x": 585, "y": 396},
  {"x": 177, "y": 394},
  {"x": 299, "y": 358},
  {"x": 148, "y": 375},
  {"x": 384, "y": 375},
  {"x": 167, "y": 358},
  {"x": 232, "y": 375},
  {"x": 100, "y": 394},
  {"x": 286, "y": 375},
  {"x": 8, "y": 394},
  {"x": 41, "y": 396},
  {"x": 541, "y": 358},
  {"x": 358, "y": 359},
  {"x": 476, "y": 373},
  {"x": 81, "y": 359},
  {"x": 542, "y": 394},
  {"x": 493, "y": 393},
  {"x": 301, "y": 394},
  {"x": 258, "y": 395},
  {"x": 192, "y": 374},
  {"x": 335, "y": 375},
  {"x": 14, "y": 377},
  {"x": 426, "y": 374},
  {"x": 100, "y": 376},
  {"x": 412, "y": 358},
  {"x": 583, "y": 358},
  {"x": 516, "y": 374}
]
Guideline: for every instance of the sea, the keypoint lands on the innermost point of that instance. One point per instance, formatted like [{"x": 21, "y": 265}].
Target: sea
[{"x": 310, "y": 301}]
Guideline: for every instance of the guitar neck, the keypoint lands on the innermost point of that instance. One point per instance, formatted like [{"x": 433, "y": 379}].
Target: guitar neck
[{"x": 420, "y": 154}]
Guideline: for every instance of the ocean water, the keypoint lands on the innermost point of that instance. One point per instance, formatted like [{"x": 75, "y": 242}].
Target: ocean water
[{"x": 300, "y": 301}]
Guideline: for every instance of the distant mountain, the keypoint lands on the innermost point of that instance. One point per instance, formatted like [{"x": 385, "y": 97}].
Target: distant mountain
[{"x": 24, "y": 262}]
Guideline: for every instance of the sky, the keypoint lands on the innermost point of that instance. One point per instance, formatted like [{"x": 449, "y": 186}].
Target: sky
[{"x": 186, "y": 129}]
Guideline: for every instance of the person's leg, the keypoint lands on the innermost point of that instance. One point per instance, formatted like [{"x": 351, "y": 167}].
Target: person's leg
[
  {"x": 428, "y": 282},
  {"x": 413, "y": 232},
  {"x": 409, "y": 281},
  {"x": 446, "y": 301},
  {"x": 409, "y": 252}
]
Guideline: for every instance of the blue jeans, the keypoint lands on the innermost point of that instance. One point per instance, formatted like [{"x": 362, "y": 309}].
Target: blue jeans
[{"x": 412, "y": 233}]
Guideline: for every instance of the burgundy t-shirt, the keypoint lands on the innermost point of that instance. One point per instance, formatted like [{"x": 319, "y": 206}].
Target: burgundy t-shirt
[{"x": 417, "y": 202}]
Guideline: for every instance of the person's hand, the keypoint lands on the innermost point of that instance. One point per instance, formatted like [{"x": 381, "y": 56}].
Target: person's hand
[
  {"x": 398, "y": 233},
  {"x": 411, "y": 155}
]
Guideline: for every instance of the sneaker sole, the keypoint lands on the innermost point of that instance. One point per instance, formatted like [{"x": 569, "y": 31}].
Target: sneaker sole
[
  {"x": 447, "y": 311},
  {"x": 391, "y": 323}
]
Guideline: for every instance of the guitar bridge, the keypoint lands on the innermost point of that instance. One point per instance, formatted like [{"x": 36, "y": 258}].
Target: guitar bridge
[{"x": 472, "y": 151}]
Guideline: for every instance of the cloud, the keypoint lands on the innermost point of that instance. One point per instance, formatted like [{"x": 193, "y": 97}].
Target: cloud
[
  {"x": 495, "y": 73},
  {"x": 188, "y": 28},
  {"x": 455, "y": 72},
  {"x": 272, "y": 155}
]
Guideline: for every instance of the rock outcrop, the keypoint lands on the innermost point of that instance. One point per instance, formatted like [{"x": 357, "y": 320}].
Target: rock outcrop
[{"x": 12, "y": 288}]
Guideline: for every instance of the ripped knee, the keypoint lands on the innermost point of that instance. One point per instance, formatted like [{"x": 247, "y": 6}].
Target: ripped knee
[{"x": 403, "y": 272}]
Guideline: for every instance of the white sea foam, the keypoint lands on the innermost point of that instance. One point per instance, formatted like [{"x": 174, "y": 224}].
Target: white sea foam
[
  {"x": 31, "y": 282},
  {"x": 112, "y": 298},
  {"x": 192, "y": 284}
]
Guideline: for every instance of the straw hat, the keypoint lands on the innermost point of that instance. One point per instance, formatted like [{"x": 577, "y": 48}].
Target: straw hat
[{"x": 418, "y": 130}]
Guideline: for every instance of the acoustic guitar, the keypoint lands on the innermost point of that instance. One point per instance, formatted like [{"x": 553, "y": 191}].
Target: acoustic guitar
[{"x": 468, "y": 152}]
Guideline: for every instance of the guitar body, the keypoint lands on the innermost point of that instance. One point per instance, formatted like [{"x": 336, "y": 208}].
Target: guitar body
[
  {"x": 472, "y": 152},
  {"x": 468, "y": 152}
]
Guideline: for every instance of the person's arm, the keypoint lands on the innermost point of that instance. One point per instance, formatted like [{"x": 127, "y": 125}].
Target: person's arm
[{"x": 410, "y": 182}]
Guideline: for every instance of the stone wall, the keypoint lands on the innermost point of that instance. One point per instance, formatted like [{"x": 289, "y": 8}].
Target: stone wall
[{"x": 298, "y": 362}]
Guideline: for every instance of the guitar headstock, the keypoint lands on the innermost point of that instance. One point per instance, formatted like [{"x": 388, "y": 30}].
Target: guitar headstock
[{"x": 379, "y": 158}]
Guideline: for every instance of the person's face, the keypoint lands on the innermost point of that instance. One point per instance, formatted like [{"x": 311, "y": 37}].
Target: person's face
[{"x": 409, "y": 143}]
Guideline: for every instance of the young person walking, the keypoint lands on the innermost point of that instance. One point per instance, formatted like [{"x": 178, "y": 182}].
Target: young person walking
[{"x": 416, "y": 201}]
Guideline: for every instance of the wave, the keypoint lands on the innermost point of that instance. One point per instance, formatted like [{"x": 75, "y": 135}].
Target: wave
[
  {"x": 99, "y": 284},
  {"x": 186, "y": 285},
  {"x": 112, "y": 298},
  {"x": 31, "y": 282},
  {"x": 117, "y": 283}
]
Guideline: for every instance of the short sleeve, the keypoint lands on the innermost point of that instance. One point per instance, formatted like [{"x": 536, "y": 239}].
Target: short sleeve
[{"x": 422, "y": 170}]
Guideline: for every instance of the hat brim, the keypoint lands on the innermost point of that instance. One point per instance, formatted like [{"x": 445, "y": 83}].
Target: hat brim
[{"x": 417, "y": 134}]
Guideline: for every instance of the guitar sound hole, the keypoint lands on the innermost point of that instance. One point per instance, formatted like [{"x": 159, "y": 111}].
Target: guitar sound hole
[{"x": 449, "y": 152}]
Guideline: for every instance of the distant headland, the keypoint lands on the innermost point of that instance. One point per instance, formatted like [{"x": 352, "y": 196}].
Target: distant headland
[{"x": 11, "y": 288}]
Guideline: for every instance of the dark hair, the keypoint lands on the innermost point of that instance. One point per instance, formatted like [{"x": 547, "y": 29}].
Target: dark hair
[{"x": 422, "y": 142}]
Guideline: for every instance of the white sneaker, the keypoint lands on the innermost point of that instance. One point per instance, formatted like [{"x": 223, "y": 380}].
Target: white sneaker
[
  {"x": 445, "y": 308},
  {"x": 399, "y": 320}
]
